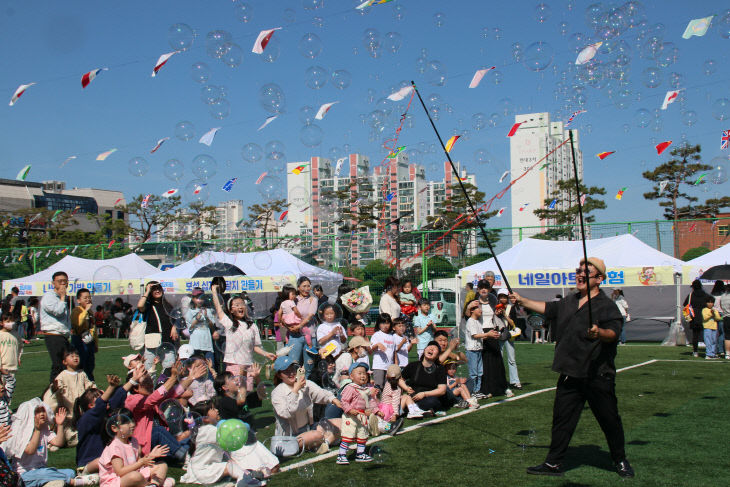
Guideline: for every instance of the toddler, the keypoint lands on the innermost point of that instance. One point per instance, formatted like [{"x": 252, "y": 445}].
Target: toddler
[
  {"x": 408, "y": 301},
  {"x": 424, "y": 324},
  {"x": 356, "y": 408},
  {"x": 330, "y": 333},
  {"x": 457, "y": 387},
  {"x": 383, "y": 347},
  {"x": 11, "y": 349},
  {"x": 290, "y": 315},
  {"x": 356, "y": 351},
  {"x": 403, "y": 344}
]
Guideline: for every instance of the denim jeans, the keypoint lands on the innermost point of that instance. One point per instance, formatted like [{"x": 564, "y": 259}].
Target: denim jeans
[
  {"x": 720, "y": 339},
  {"x": 710, "y": 342},
  {"x": 622, "y": 337},
  {"x": 509, "y": 347},
  {"x": 86, "y": 355},
  {"x": 297, "y": 343},
  {"x": 39, "y": 477},
  {"x": 161, "y": 436},
  {"x": 476, "y": 368}
]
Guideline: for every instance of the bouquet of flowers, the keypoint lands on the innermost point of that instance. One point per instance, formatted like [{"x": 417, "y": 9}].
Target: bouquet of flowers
[{"x": 358, "y": 300}]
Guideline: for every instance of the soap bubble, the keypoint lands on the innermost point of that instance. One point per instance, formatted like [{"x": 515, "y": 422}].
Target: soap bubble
[
  {"x": 167, "y": 354},
  {"x": 196, "y": 191},
  {"x": 496, "y": 76},
  {"x": 481, "y": 156},
  {"x": 243, "y": 11},
  {"x": 180, "y": 36},
  {"x": 252, "y": 152},
  {"x": 563, "y": 28},
  {"x": 538, "y": 56},
  {"x": 371, "y": 39},
  {"x": 204, "y": 166},
  {"x": 315, "y": 77},
  {"x": 215, "y": 43},
  {"x": 220, "y": 109},
  {"x": 185, "y": 131},
  {"x": 275, "y": 150},
  {"x": 593, "y": 14},
  {"x": 272, "y": 51},
  {"x": 723, "y": 25},
  {"x": 200, "y": 72},
  {"x": 233, "y": 56},
  {"x": 299, "y": 197},
  {"x": 380, "y": 456},
  {"x": 651, "y": 77},
  {"x": 211, "y": 94},
  {"x": 439, "y": 19},
  {"x": 399, "y": 11},
  {"x": 341, "y": 79},
  {"x": 306, "y": 114},
  {"x": 709, "y": 67},
  {"x": 542, "y": 12},
  {"x": 117, "y": 422},
  {"x": 310, "y": 135},
  {"x": 104, "y": 274},
  {"x": 262, "y": 260},
  {"x": 310, "y": 46},
  {"x": 642, "y": 118},
  {"x": 312, "y": 4},
  {"x": 306, "y": 471},
  {"x": 721, "y": 109},
  {"x": 173, "y": 413},
  {"x": 318, "y": 22},
  {"x": 478, "y": 121},
  {"x": 173, "y": 170},
  {"x": 138, "y": 166},
  {"x": 689, "y": 117},
  {"x": 272, "y": 99},
  {"x": 435, "y": 73},
  {"x": 392, "y": 42},
  {"x": 271, "y": 188}
]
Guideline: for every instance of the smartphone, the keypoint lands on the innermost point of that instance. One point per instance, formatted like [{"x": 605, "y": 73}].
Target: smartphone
[{"x": 300, "y": 373}]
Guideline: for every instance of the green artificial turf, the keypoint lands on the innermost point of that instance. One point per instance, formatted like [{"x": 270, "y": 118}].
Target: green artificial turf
[{"x": 674, "y": 413}]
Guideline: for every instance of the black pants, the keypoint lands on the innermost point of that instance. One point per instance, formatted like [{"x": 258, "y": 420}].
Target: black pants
[
  {"x": 570, "y": 397},
  {"x": 698, "y": 334},
  {"x": 56, "y": 346}
]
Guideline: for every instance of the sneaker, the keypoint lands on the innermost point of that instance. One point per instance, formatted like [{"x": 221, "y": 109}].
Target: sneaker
[
  {"x": 414, "y": 414},
  {"x": 478, "y": 396},
  {"x": 55, "y": 483},
  {"x": 624, "y": 470},
  {"x": 695, "y": 354},
  {"x": 396, "y": 426},
  {"x": 545, "y": 469},
  {"x": 509, "y": 393},
  {"x": 473, "y": 404},
  {"x": 311, "y": 351},
  {"x": 363, "y": 457},
  {"x": 440, "y": 413},
  {"x": 429, "y": 413},
  {"x": 517, "y": 386},
  {"x": 342, "y": 460},
  {"x": 462, "y": 404},
  {"x": 89, "y": 479},
  {"x": 727, "y": 356}
]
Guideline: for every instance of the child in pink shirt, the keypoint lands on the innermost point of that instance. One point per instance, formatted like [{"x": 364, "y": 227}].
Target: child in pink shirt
[
  {"x": 358, "y": 403},
  {"x": 290, "y": 315}
]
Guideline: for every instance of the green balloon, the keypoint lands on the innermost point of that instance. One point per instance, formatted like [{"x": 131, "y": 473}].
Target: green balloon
[{"x": 231, "y": 434}]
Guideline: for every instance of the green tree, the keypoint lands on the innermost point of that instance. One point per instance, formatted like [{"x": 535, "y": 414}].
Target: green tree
[
  {"x": 694, "y": 253},
  {"x": 200, "y": 217},
  {"x": 564, "y": 216},
  {"x": 353, "y": 205},
  {"x": 671, "y": 181},
  {"x": 158, "y": 215},
  {"x": 263, "y": 220},
  {"x": 374, "y": 275}
]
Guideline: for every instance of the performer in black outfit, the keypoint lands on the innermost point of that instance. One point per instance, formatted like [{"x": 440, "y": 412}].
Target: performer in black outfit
[{"x": 584, "y": 358}]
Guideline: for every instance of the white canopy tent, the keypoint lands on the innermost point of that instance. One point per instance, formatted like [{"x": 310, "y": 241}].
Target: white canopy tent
[
  {"x": 84, "y": 273},
  {"x": 695, "y": 267},
  {"x": 649, "y": 278}
]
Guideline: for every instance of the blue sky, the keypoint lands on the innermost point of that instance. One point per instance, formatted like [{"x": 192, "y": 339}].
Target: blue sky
[{"x": 54, "y": 43}]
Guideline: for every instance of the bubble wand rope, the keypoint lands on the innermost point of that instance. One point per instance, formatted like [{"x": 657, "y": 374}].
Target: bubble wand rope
[
  {"x": 582, "y": 231},
  {"x": 463, "y": 189}
]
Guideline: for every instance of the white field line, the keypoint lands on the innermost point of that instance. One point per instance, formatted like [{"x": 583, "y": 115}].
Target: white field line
[{"x": 441, "y": 419}]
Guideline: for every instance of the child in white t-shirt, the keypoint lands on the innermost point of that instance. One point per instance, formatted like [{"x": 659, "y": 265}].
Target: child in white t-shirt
[
  {"x": 330, "y": 331},
  {"x": 473, "y": 344},
  {"x": 402, "y": 343},
  {"x": 383, "y": 346}
]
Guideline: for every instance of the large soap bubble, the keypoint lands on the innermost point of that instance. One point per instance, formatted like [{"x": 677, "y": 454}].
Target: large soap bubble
[
  {"x": 196, "y": 191},
  {"x": 233, "y": 56},
  {"x": 272, "y": 51},
  {"x": 200, "y": 72},
  {"x": 435, "y": 73},
  {"x": 642, "y": 118},
  {"x": 721, "y": 109},
  {"x": 315, "y": 77},
  {"x": 211, "y": 94},
  {"x": 341, "y": 79},
  {"x": 185, "y": 131},
  {"x": 252, "y": 152},
  {"x": 275, "y": 150},
  {"x": 651, "y": 77},
  {"x": 538, "y": 56},
  {"x": 105, "y": 278},
  {"x": 542, "y": 12},
  {"x": 138, "y": 166},
  {"x": 392, "y": 42},
  {"x": 271, "y": 188},
  {"x": 204, "y": 166},
  {"x": 243, "y": 11},
  {"x": 310, "y": 46},
  {"x": 173, "y": 170},
  {"x": 220, "y": 109},
  {"x": 215, "y": 43},
  {"x": 310, "y": 135},
  {"x": 272, "y": 98},
  {"x": 180, "y": 36}
]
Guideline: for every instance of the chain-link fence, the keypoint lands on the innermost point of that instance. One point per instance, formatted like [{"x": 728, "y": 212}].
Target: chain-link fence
[{"x": 420, "y": 255}]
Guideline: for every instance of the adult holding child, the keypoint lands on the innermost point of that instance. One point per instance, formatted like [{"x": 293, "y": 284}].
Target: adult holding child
[
  {"x": 307, "y": 307},
  {"x": 584, "y": 358},
  {"x": 388, "y": 302},
  {"x": 56, "y": 321}
]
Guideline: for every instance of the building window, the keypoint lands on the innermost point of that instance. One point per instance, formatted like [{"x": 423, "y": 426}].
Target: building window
[{"x": 723, "y": 230}]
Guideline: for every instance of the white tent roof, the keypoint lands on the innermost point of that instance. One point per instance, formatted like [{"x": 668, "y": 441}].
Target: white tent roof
[
  {"x": 620, "y": 251},
  {"x": 130, "y": 266},
  {"x": 277, "y": 262},
  {"x": 716, "y": 257}
]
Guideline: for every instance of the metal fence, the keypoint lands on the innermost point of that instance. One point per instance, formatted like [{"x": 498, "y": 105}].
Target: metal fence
[{"x": 420, "y": 255}]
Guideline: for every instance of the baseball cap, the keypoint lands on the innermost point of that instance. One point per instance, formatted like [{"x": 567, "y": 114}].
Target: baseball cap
[
  {"x": 502, "y": 291},
  {"x": 393, "y": 372},
  {"x": 127, "y": 359},
  {"x": 358, "y": 364},
  {"x": 185, "y": 351},
  {"x": 283, "y": 363},
  {"x": 597, "y": 263},
  {"x": 197, "y": 292},
  {"x": 358, "y": 341}
]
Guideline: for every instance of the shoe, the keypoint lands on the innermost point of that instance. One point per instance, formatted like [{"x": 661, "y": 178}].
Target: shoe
[
  {"x": 473, "y": 404},
  {"x": 695, "y": 354},
  {"x": 462, "y": 404},
  {"x": 363, "y": 457},
  {"x": 415, "y": 414},
  {"x": 89, "y": 479},
  {"x": 478, "y": 396},
  {"x": 545, "y": 469},
  {"x": 439, "y": 413},
  {"x": 624, "y": 470},
  {"x": 396, "y": 426},
  {"x": 509, "y": 393},
  {"x": 55, "y": 483},
  {"x": 323, "y": 448},
  {"x": 517, "y": 386},
  {"x": 342, "y": 460},
  {"x": 373, "y": 426},
  {"x": 311, "y": 351}
]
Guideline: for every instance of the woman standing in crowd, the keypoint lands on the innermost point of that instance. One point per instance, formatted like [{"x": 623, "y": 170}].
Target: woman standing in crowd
[
  {"x": 697, "y": 299},
  {"x": 717, "y": 291},
  {"x": 159, "y": 329},
  {"x": 307, "y": 306},
  {"x": 723, "y": 303},
  {"x": 618, "y": 297},
  {"x": 388, "y": 302}
]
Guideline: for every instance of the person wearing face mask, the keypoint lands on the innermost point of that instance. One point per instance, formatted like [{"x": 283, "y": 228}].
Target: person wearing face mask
[
  {"x": 584, "y": 357},
  {"x": 357, "y": 349},
  {"x": 10, "y": 350}
]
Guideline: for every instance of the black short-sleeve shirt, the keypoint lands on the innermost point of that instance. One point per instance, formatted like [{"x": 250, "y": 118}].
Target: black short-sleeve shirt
[
  {"x": 420, "y": 380},
  {"x": 576, "y": 355}
]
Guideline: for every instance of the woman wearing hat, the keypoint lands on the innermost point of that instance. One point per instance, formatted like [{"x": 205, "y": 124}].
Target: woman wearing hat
[{"x": 292, "y": 400}]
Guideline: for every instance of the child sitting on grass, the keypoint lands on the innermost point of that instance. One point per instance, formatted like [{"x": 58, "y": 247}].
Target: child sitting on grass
[
  {"x": 457, "y": 387},
  {"x": 122, "y": 463},
  {"x": 234, "y": 400},
  {"x": 202, "y": 388},
  {"x": 207, "y": 463},
  {"x": 65, "y": 389},
  {"x": 11, "y": 348}
]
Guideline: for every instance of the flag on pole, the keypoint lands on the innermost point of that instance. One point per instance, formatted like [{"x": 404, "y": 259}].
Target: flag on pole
[
  {"x": 620, "y": 193},
  {"x": 106, "y": 154},
  {"x": 298, "y": 170},
  {"x": 110, "y": 244},
  {"x": 170, "y": 192},
  {"x": 725, "y": 139},
  {"x": 572, "y": 116},
  {"x": 500, "y": 211},
  {"x": 450, "y": 143},
  {"x": 283, "y": 215},
  {"x": 670, "y": 98},
  {"x": 504, "y": 175},
  {"x": 697, "y": 27},
  {"x": 228, "y": 186},
  {"x": 23, "y": 173},
  {"x": 208, "y": 137},
  {"x": 19, "y": 92},
  {"x": 522, "y": 208},
  {"x": 582, "y": 199},
  {"x": 261, "y": 178},
  {"x": 263, "y": 39},
  {"x": 400, "y": 94},
  {"x": 603, "y": 155},
  {"x": 392, "y": 155},
  {"x": 324, "y": 109},
  {"x": 268, "y": 121}
]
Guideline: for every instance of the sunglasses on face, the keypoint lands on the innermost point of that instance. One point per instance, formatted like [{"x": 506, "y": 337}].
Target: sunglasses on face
[{"x": 582, "y": 270}]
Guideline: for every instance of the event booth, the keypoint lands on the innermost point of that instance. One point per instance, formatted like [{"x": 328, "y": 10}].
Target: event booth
[
  {"x": 694, "y": 268},
  {"x": 117, "y": 276},
  {"x": 542, "y": 269}
]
